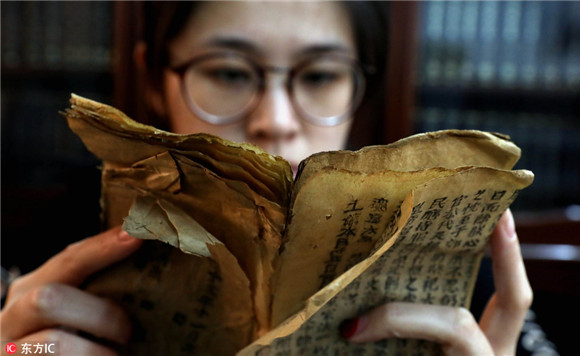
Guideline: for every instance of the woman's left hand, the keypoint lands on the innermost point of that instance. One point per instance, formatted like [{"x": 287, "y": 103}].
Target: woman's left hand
[{"x": 455, "y": 328}]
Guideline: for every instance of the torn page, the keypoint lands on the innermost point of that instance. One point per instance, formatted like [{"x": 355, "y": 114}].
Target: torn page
[
  {"x": 336, "y": 219},
  {"x": 249, "y": 225},
  {"x": 434, "y": 260},
  {"x": 191, "y": 303},
  {"x": 121, "y": 141},
  {"x": 443, "y": 149}
]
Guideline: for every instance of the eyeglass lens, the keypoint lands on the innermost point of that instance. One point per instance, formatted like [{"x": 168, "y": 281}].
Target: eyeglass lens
[
  {"x": 324, "y": 88},
  {"x": 226, "y": 87},
  {"x": 222, "y": 87}
]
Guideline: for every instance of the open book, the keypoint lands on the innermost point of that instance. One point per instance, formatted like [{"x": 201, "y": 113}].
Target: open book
[{"x": 246, "y": 260}]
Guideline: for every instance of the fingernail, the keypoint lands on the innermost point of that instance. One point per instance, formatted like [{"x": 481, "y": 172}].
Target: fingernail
[
  {"x": 124, "y": 236},
  {"x": 510, "y": 226},
  {"x": 350, "y": 327}
]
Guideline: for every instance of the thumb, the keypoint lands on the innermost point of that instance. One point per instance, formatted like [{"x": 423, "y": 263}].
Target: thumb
[{"x": 82, "y": 259}]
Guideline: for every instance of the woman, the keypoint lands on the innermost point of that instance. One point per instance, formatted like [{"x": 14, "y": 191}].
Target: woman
[{"x": 286, "y": 77}]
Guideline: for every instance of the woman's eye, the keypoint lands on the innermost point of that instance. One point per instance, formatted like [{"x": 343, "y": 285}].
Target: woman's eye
[
  {"x": 229, "y": 76},
  {"x": 319, "y": 78}
]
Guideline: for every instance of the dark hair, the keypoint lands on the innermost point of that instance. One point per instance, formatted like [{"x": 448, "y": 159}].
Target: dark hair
[
  {"x": 164, "y": 20},
  {"x": 370, "y": 22}
]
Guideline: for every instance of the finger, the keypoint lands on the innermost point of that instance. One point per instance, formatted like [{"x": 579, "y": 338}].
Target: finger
[
  {"x": 64, "y": 343},
  {"x": 78, "y": 261},
  {"x": 504, "y": 315},
  {"x": 61, "y": 305},
  {"x": 454, "y": 328}
]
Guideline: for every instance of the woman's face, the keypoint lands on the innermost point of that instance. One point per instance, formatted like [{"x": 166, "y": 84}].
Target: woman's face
[{"x": 280, "y": 34}]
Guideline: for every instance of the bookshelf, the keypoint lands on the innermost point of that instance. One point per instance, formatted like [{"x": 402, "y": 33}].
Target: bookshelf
[
  {"x": 49, "y": 49},
  {"x": 491, "y": 44},
  {"x": 511, "y": 67},
  {"x": 514, "y": 67}
]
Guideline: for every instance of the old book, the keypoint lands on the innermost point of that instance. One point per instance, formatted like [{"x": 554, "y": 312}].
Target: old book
[{"x": 246, "y": 260}]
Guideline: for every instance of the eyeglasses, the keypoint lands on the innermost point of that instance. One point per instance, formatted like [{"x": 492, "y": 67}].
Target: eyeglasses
[{"x": 222, "y": 88}]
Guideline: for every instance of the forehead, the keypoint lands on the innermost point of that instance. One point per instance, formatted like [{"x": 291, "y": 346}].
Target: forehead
[{"x": 278, "y": 30}]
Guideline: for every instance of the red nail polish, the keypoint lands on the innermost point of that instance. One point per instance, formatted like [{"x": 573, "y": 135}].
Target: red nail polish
[{"x": 348, "y": 328}]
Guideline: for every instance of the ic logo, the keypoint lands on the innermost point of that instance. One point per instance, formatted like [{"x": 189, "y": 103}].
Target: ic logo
[{"x": 11, "y": 348}]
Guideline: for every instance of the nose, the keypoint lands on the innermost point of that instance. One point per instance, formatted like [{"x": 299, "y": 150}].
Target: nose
[{"x": 274, "y": 121}]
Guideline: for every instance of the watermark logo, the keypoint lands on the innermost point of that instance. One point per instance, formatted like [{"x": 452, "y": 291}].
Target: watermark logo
[
  {"x": 39, "y": 348},
  {"x": 11, "y": 348}
]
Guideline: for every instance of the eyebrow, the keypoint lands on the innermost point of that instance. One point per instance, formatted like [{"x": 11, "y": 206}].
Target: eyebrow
[
  {"x": 247, "y": 46},
  {"x": 324, "y": 48},
  {"x": 233, "y": 43}
]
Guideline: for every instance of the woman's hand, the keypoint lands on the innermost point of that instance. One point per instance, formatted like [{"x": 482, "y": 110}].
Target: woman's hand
[
  {"x": 45, "y": 306},
  {"x": 456, "y": 328}
]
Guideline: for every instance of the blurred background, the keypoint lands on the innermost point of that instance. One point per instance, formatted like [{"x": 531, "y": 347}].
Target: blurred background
[{"x": 510, "y": 67}]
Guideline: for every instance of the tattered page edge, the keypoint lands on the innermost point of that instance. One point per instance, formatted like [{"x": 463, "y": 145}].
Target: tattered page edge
[
  {"x": 490, "y": 143},
  {"x": 264, "y": 249},
  {"x": 117, "y": 120},
  {"x": 184, "y": 233},
  {"x": 323, "y": 296},
  {"x": 85, "y": 116},
  {"x": 204, "y": 246},
  {"x": 521, "y": 178},
  {"x": 300, "y": 271}
]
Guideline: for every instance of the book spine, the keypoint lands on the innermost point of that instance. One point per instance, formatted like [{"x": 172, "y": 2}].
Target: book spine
[
  {"x": 510, "y": 44},
  {"x": 424, "y": 44},
  {"x": 486, "y": 68},
  {"x": 11, "y": 34},
  {"x": 572, "y": 59},
  {"x": 469, "y": 33},
  {"x": 32, "y": 27},
  {"x": 531, "y": 18},
  {"x": 429, "y": 119},
  {"x": 453, "y": 50},
  {"x": 52, "y": 35},
  {"x": 549, "y": 68},
  {"x": 101, "y": 39},
  {"x": 75, "y": 37},
  {"x": 434, "y": 14},
  {"x": 473, "y": 119}
]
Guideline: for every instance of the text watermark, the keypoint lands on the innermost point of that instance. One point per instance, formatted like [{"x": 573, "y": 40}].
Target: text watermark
[{"x": 31, "y": 348}]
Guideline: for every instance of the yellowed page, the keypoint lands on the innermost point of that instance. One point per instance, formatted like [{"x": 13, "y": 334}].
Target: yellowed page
[
  {"x": 249, "y": 225},
  {"x": 433, "y": 261},
  {"x": 227, "y": 205},
  {"x": 209, "y": 312},
  {"x": 236, "y": 191},
  {"x": 119, "y": 140},
  {"x": 444, "y": 149},
  {"x": 336, "y": 219}
]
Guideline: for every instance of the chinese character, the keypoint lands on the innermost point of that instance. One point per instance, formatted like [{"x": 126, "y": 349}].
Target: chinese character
[
  {"x": 479, "y": 194},
  {"x": 351, "y": 207},
  {"x": 438, "y": 202},
  {"x": 374, "y": 218},
  {"x": 38, "y": 348},
  {"x": 498, "y": 194},
  {"x": 457, "y": 201},
  {"x": 379, "y": 204}
]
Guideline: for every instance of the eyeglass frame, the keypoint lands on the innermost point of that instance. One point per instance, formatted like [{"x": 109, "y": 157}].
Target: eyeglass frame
[{"x": 358, "y": 71}]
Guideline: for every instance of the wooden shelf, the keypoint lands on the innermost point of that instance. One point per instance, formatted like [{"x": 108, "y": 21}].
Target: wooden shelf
[{"x": 547, "y": 227}]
